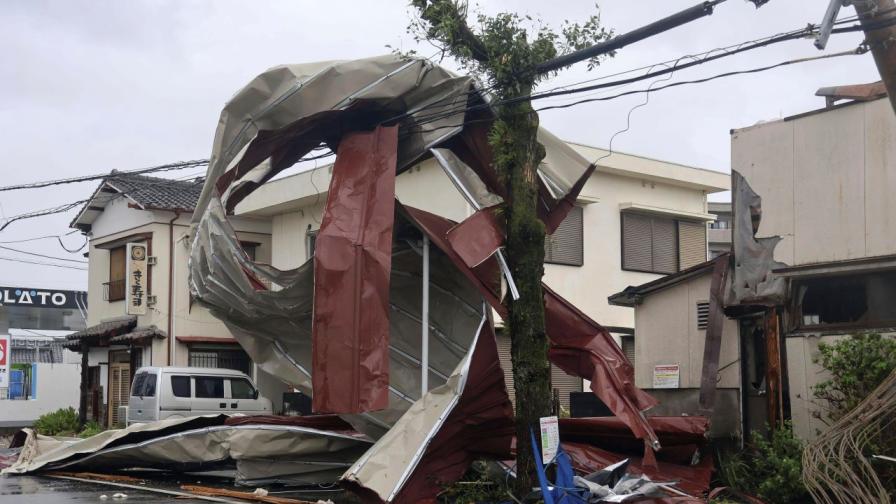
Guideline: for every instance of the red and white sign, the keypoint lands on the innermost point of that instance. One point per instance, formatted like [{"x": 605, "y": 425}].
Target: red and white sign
[
  {"x": 666, "y": 375},
  {"x": 4, "y": 360}
]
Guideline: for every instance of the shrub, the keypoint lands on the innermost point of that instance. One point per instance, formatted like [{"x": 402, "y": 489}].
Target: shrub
[
  {"x": 62, "y": 422},
  {"x": 768, "y": 468},
  {"x": 479, "y": 484},
  {"x": 90, "y": 429},
  {"x": 857, "y": 365}
]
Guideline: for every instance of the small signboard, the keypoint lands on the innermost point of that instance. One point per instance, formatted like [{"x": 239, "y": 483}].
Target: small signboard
[
  {"x": 666, "y": 376},
  {"x": 5, "y": 349},
  {"x": 550, "y": 438},
  {"x": 135, "y": 296}
]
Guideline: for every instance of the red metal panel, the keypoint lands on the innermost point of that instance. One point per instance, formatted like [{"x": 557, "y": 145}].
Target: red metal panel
[
  {"x": 480, "y": 426},
  {"x": 477, "y": 237},
  {"x": 352, "y": 263}
]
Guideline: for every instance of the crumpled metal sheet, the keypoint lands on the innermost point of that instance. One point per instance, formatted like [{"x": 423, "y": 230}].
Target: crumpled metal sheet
[
  {"x": 691, "y": 479},
  {"x": 352, "y": 263},
  {"x": 285, "y": 113},
  {"x": 468, "y": 417},
  {"x": 256, "y": 452},
  {"x": 752, "y": 281}
]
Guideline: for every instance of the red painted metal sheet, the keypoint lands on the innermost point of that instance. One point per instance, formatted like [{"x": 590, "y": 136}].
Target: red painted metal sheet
[
  {"x": 477, "y": 237},
  {"x": 480, "y": 426},
  {"x": 352, "y": 263},
  {"x": 680, "y": 436}
]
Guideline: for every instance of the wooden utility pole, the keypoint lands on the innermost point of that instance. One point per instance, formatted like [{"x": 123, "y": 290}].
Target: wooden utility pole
[{"x": 872, "y": 14}]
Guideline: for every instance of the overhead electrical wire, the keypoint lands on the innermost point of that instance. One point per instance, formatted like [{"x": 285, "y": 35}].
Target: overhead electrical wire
[
  {"x": 554, "y": 92},
  {"x": 65, "y": 207},
  {"x": 180, "y": 165},
  {"x": 24, "y": 261},
  {"x": 18, "y": 251}
]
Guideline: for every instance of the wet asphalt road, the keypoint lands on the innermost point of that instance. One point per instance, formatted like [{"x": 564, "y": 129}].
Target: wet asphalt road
[{"x": 43, "y": 490}]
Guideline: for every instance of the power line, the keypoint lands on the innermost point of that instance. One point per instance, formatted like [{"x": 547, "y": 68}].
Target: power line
[
  {"x": 23, "y": 240},
  {"x": 180, "y": 165},
  {"x": 42, "y": 255},
  {"x": 65, "y": 207},
  {"x": 24, "y": 261}
]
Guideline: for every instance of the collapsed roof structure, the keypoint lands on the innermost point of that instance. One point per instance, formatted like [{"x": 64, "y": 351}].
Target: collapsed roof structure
[{"x": 346, "y": 326}]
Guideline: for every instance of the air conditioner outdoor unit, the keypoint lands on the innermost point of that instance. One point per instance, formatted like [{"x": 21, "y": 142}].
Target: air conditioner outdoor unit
[{"x": 122, "y": 416}]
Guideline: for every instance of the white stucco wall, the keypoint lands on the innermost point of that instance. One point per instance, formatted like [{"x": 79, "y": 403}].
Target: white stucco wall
[
  {"x": 826, "y": 181},
  {"x": 666, "y": 333},
  {"x": 57, "y": 387}
]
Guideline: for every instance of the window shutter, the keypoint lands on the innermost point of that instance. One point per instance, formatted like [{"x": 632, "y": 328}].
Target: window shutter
[
  {"x": 504, "y": 359},
  {"x": 691, "y": 243},
  {"x": 565, "y": 245},
  {"x": 628, "y": 348},
  {"x": 665, "y": 246},
  {"x": 564, "y": 384},
  {"x": 636, "y": 242},
  {"x": 702, "y": 315}
]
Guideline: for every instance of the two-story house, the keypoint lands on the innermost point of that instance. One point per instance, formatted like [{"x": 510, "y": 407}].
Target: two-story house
[
  {"x": 819, "y": 185},
  {"x": 169, "y": 329},
  {"x": 636, "y": 219}
]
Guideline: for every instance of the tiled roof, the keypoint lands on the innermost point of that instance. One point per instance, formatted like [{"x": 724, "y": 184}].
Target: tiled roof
[
  {"x": 139, "y": 333},
  {"x": 149, "y": 193},
  {"x": 158, "y": 193},
  {"x": 106, "y": 328}
]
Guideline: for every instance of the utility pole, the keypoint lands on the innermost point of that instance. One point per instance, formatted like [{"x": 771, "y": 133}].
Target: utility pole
[{"x": 872, "y": 13}]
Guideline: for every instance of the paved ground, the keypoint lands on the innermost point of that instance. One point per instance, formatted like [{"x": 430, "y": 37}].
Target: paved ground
[
  {"x": 45, "y": 490},
  {"x": 41, "y": 490}
]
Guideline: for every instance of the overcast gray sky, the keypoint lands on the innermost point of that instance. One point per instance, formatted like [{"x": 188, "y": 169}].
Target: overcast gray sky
[{"x": 88, "y": 86}]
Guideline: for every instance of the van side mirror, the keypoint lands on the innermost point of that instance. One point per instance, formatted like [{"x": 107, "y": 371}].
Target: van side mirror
[{"x": 255, "y": 394}]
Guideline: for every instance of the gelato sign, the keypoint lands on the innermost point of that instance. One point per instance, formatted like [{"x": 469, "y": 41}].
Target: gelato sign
[
  {"x": 135, "y": 297},
  {"x": 41, "y": 298}
]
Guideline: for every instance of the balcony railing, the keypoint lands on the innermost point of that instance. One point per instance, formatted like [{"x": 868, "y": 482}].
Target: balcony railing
[{"x": 114, "y": 290}]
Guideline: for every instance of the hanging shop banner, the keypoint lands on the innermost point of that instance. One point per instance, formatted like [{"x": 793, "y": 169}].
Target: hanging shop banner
[
  {"x": 5, "y": 349},
  {"x": 666, "y": 375},
  {"x": 550, "y": 438},
  {"x": 135, "y": 296}
]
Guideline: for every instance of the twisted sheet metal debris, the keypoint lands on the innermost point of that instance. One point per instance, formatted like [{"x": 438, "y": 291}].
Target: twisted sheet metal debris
[
  {"x": 284, "y": 114},
  {"x": 244, "y": 449}
]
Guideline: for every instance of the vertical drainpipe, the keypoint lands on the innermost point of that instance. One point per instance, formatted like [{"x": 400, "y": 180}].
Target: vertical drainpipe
[{"x": 171, "y": 292}]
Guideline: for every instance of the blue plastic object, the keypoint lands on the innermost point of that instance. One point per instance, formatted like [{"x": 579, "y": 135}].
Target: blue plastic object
[{"x": 564, "y": 491}]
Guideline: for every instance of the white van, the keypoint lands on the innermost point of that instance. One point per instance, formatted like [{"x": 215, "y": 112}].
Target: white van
[{"x": 158, "y": 393}]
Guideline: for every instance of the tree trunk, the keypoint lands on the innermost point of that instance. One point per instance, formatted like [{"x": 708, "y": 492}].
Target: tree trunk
[{"x": 517, "y": 155}]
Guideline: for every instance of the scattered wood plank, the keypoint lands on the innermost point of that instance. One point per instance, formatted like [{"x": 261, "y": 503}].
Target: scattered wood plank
[
  {"x": 250, "y": 496},
  {"x": 118, "y": 478}
]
